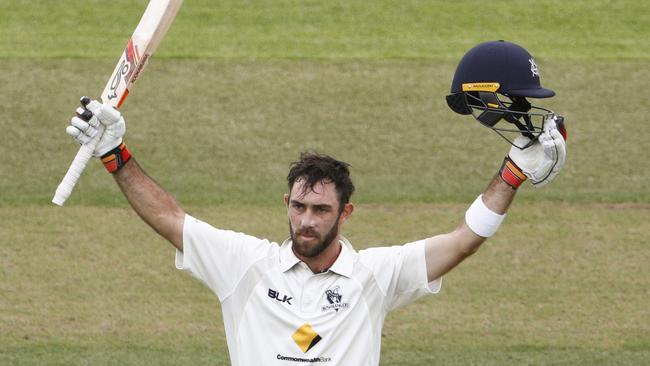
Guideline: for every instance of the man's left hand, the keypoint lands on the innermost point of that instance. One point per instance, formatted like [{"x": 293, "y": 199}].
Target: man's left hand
[{"x": 542, "y": 161}]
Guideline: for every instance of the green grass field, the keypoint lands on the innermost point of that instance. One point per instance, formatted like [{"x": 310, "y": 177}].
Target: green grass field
[{"x": 240, "y": 88}]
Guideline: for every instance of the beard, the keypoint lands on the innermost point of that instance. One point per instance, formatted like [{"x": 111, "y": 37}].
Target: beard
[{"x": 305, "y": 250}]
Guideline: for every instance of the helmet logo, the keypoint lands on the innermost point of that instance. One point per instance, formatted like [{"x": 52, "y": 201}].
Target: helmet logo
[
  {"x": 488, "y": 87},
  {"x": 533, "y": 67}
]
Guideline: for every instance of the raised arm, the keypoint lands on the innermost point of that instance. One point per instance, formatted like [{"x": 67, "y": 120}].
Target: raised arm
[
  {"x": 149, "y": 200},
  {"x": 444, "y": 252},
  {"x": 539, "y": 163}
]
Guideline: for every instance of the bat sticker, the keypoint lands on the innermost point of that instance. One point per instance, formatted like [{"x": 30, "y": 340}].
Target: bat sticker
[{"x": 127, "y": 65}]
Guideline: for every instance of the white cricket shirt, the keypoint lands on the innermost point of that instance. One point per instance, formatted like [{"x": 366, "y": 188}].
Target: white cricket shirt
[{"x": 277, "y": 312}]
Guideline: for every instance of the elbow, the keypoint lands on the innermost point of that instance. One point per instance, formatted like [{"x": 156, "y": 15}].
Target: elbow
[
  {"x": 169, "y": 225},
  {"x": 468, "y": 242},
  {"x": 467, "y": 250}
]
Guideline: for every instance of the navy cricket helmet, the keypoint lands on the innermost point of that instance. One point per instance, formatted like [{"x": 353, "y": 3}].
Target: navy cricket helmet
[{"x": 493, "y": 70}]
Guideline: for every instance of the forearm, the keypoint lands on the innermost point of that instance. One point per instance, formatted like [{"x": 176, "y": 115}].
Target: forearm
[
  {"x": 444, "y": 252},
  {"x": 151, "y": 202},
  {"x": 497, "y": 198},
  {"x": 498, "y": 195}
]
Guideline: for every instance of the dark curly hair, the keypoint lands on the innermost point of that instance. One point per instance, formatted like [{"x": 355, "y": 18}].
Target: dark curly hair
[{"x": 315, "y": 168}]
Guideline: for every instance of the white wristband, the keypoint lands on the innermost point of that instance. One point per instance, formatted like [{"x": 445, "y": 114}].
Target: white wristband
[{"x": 483, "y": 221}]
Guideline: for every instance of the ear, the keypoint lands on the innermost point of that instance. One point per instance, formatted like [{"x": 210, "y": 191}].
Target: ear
[
  {"x": 347, "y": 212},
  {"x": 286, "y": 199}
]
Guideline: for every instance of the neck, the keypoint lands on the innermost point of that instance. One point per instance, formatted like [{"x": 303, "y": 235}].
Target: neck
[{"x": 324, "y": 260}]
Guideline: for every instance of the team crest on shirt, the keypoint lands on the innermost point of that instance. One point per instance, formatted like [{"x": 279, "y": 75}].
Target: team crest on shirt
[{"x": 334, "y": 297}]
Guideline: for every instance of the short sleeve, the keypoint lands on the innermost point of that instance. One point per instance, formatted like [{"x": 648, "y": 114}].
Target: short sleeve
[
  {"x": 218, "y": 258},
  {"x": 400, "y": 272}
]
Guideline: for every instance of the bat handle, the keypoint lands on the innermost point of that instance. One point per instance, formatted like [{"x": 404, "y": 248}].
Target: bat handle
[{"x": 64, "y": 190}]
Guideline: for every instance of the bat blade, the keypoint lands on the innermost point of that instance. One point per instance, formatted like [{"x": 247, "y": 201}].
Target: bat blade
[
  {"x": 153, "y": 26},
  {"x": 156, "y": 20}
]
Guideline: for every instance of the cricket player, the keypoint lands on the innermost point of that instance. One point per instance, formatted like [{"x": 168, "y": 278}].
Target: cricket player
[{"x": 314, "y": 299}]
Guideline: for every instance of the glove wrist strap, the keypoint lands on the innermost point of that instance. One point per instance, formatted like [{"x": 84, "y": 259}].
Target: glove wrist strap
[
  {"x": 116, "y": 158},
  {"x": 511, "y": 174}
]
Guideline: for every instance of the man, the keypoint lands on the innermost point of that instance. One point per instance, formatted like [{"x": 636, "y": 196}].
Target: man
[{"x": 314, "y": 299}]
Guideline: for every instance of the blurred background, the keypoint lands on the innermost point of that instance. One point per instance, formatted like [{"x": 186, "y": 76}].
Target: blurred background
[{"x": 238, "y": 89}]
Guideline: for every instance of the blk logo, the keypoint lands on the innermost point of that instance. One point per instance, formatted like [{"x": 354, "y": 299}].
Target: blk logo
[{"x": 281, "y": 298}]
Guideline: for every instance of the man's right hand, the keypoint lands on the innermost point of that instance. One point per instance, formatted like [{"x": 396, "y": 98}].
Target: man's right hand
[{"x": 83, "y": 127}]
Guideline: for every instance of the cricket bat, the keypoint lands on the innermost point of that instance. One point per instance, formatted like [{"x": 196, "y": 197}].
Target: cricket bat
[{"x": 153, "y": 25}]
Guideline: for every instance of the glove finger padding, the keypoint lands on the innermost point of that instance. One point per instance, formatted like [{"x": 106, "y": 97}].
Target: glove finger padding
[
  {"x": 550, "y": 124},
  {"x": 77, "y": 134},
  {"x": 533, "y": 161},
  {"x": 104, "y": 112},
  {"x": 559, "y": 146},
  {"x": 81, "y": 130},
  {"x": 84, "y": 127},
  {"x": 543, "y": 160},
  {"x": 551, "y": 155}
]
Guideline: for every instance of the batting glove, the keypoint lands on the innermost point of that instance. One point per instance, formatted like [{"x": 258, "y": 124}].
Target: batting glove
[
  {"x": 83, "y": 127},
  {"x": 541, "y": 162}
]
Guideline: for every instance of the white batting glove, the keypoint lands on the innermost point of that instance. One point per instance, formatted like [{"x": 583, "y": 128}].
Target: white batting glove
[
  {"x": 542, "y": 161},
  {"x": 83, "y": 127}
]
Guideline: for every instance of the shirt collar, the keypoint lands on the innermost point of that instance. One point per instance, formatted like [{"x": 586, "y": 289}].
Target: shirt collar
[{"x": 343, "y": 265}]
